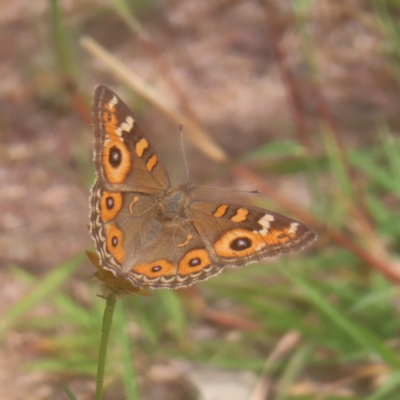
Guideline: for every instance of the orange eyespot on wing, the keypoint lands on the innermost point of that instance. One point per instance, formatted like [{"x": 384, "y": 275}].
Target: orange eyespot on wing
[
  {"x": 116, "y": 161},
  {"x": 194, "y": 261},
  {"x": 238, "y": 243},
  {"x": 155, "y": 269},
  {"x": 114, "y": 242},
  {"x": 111, "y": 204}
]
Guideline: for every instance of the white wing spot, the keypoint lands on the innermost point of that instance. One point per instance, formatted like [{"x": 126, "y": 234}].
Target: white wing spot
[
  {"x": 293, "y": 228},
  {"x": 265, "y": 223},
  {"x": 125, "y": 126},
  {"x": 112, "y": 103}
]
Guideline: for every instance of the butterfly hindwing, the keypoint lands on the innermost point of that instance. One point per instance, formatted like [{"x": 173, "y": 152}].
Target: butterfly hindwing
[{"x": 240, "y": 234}]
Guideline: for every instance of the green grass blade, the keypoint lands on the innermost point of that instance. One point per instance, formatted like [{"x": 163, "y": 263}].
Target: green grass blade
[
  {"x": 391, "y": 149},
  {"x": 391, "y": 32},
  {"x": 385, "y": 391},
  {"x": 376, "y": 172},
  {"x": 122, "y": 7},
  {"x": 360, "y": 334},
  {"x": 293, "y": 370},
  {"x": 61, "y": 40},
  {"x": 172, "y": 306},
  {"x": 144, "y": 320},
  {"x": 337, "y": 165},
  {"x": 69, "y": 393},
  {"x": 283, "y": 148},
  {"x": 52, "y": 281}
]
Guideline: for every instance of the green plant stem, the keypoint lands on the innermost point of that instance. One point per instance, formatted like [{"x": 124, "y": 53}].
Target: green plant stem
[
  {"x": 105, "y": 333},
  {"x": 128, "y": 370}
]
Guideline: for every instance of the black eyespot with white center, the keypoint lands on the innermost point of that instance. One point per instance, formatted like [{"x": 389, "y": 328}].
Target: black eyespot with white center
[
  {"x": 109, "y": 203},
  {"x": 156, "y": 268},
  {"x": 115, "y": 157},
  {"x": 241, "y": 243},
  {"x": 114, "y": 241},
  {"x": 194, "y": 262}
]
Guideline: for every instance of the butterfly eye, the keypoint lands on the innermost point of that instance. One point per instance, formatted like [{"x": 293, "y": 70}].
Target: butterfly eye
[{"x": 241, "y": 243}]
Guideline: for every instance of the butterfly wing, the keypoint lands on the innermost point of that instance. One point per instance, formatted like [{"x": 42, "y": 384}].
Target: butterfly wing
[
  {"x": 140, "y": 249},
  {"x": 211, "y": 237},
  {"x": 237, "y": 235},
  {"x": 127, "y": 170},
  {"x": 173, "y": 259},
  {"x": 124, "y": 157}
]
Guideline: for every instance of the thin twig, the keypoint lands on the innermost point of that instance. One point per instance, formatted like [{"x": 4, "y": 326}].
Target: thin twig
[
  {"x": 293, "y": 94},
  {"x": 361, "y": 211},
  {"x": 153, "y": 51},
  {"x": 285, "y": 344},
  {"x": 197, "y": 134},
  {"x": 230, "y": 320}
]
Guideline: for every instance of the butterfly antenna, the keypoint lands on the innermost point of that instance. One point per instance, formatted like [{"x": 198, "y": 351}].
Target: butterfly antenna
[
  {"x": 183, "y": 150},
  {"x": 230, "y": 190}
]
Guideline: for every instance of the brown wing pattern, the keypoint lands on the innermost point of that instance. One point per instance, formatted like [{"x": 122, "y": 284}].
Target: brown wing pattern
[
  {"x": 124, "y": 157},
  {"x": 240, "y": 234}
]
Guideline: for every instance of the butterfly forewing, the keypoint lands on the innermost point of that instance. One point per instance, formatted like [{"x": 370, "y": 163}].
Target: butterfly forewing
[{"x": 124, "y": 157}]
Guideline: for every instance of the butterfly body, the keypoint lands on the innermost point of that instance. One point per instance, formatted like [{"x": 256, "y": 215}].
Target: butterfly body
[{"x": 147, "y": 234}]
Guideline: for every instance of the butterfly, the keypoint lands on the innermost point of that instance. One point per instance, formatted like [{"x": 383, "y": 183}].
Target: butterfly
[{"x": 148, "y": 234}]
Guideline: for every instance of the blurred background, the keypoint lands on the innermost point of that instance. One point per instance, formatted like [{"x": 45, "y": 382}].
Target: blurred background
[{"x": 298, "y": 99}]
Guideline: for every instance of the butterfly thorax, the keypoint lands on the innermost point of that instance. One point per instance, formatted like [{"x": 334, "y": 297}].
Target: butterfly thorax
[{"x": 176, "y": 200}]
